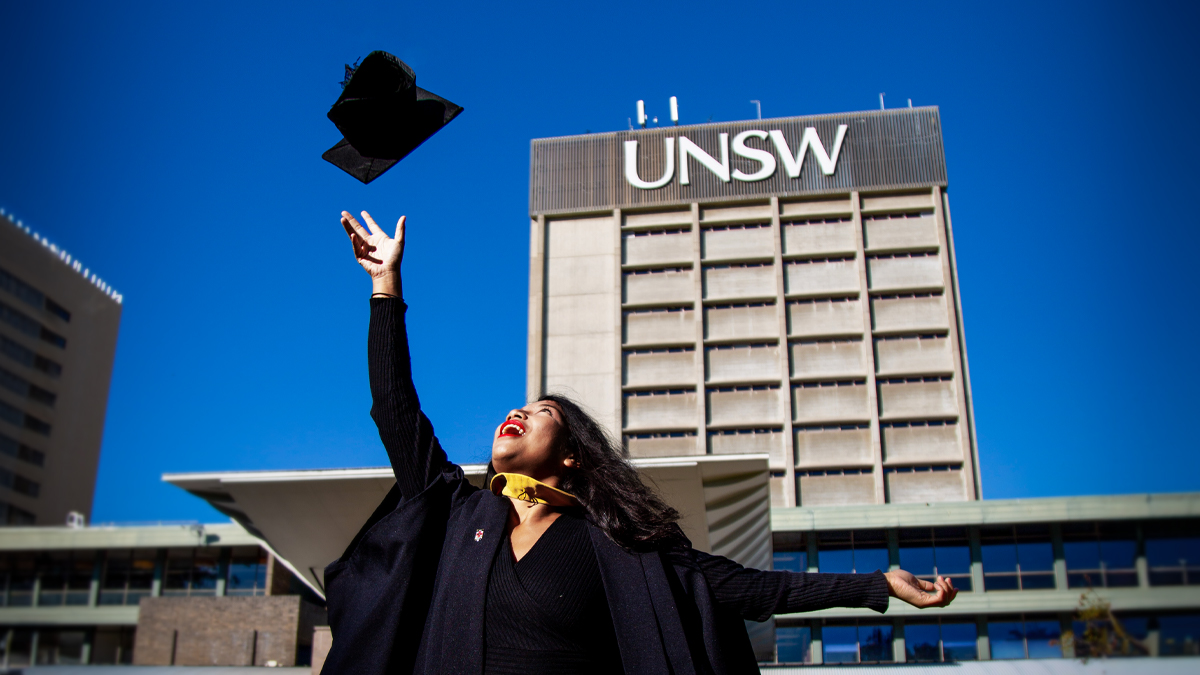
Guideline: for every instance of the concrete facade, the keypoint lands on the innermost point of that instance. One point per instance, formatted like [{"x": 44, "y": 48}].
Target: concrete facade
[
  {"x": 58, "y": 338},
  {"x": 818, "y": 322}
]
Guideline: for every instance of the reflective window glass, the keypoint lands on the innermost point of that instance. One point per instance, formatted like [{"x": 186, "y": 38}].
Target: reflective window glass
[
  {"x": 793, "y": 644},
  {"x": 875, "y": 642},
  {"x": 1042, "y": 638},
  {"x": 839, "y": 644},
  {"x": 840, "y": 561},
  {"x": 1007, "y": 639},
  {"x": 958, "y": 642},
  {"x": 921, "y": 642},
  {"x": 867, "y": 560},
  {"x": 1179, "y": 635},
  {"x": 918, "y": 560},
  {"x": 790, "y": 561}
]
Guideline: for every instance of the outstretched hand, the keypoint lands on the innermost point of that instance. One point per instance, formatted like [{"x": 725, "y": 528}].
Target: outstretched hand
[
  {"x": 378, "y": 253},
  {"x": 918, "y": 593}
]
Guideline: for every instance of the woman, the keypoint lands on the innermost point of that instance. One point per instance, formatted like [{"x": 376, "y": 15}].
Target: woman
[{"x": 566, "y": 564}]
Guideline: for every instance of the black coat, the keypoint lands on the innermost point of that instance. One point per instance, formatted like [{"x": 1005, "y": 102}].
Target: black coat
[{"x": 408, "y": 594}]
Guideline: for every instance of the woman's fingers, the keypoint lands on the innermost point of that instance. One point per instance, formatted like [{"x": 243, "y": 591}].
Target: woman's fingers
[
  {"x": 375, "y": 229},
  {"x": 400, "y": 228},
  {"x": 353, "y": 226},
  {"x": 926, "y": 585}
]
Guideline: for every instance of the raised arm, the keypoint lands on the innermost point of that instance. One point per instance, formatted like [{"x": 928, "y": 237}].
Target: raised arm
[
  {"x": 756, "y": 595},
  {"x": 416, "y": 457}
]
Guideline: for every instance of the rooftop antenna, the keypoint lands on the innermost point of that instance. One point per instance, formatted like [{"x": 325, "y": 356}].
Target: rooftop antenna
[
  {"x": 881, "y": 95},
  {"x": 675, "y": 111},
  {"x": 757, "y": 106},
  {"x": 641, "y": 114},
  {"x": 910, "y": 102}
]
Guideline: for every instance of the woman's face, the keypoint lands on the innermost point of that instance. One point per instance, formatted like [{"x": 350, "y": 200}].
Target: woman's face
[{"x": 530, "y": 442}]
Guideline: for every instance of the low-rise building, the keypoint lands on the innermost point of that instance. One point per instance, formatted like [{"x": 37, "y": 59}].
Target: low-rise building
[{"x": 200, "y": 595}]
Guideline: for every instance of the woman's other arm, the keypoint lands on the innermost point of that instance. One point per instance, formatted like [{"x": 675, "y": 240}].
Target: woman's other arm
[
  {"x": 407, "y": 435},
  {"x": 756, "y": 594}
]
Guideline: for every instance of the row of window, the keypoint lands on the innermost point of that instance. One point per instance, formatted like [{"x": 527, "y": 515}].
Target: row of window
[
  {"x": 20, "y": 418},
  {"x": 126, "y": 576},
  {"x": 14, "y": 448},
  {"x": 31, "y": 296},
  {"x": 18, "y": 483},
  {"x": 25, "y": 389},
  {"x": 949, "y": 640},
  {"x": 30, "y": 326},
  {"x": 18, "y": 352},
  {"x": 13, "y": 515},
  {"x": 1098, "y": 555}
]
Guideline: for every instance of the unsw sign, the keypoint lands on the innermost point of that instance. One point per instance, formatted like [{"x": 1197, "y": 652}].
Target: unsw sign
[{"x": 793, "y": 162}]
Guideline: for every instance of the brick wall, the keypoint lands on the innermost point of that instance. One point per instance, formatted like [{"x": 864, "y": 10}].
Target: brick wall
[{"x": 228, "y": 631}]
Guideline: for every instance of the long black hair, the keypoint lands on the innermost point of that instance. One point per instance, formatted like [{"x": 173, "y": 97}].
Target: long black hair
[{"x": 609, "y": 487}]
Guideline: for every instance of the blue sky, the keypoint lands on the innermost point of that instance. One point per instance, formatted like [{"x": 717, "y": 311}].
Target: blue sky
[{"x": 175, "y": 149}]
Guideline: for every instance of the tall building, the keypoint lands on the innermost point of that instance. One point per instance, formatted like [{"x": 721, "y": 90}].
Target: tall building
[
  {"x": 783, "y": 286},
  {"x": 58, "y": 337}
]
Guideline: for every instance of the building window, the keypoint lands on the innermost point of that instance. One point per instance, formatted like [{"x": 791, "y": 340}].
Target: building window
[
  {"x": 790, "y": 561},
  {"x": 940, "y": 551},
  {"x": 793, "y": 644},
  {"x": 17, "y": 574},
  {"x": 30, "y": 295},
  {"x": 862, "y": 551},
  {"x": 1017, "y": 639},
  {"x": 1179, "y": 635},
  {"x": 60, "y": 647},
  {"x": 247, "y": 571},
  {"x": 18, "y": 483},
  {"x": 940, "y": 642},
  {"x": 192, "y": 572},
  {"x": 113, "y": 646},
  {"x": 128, "y": 576},
  {"x": 14, "y": 448},
  {"x": 23, "y": 388},
  {"x": 1017, "y": 558},
  {"x": 18, "y": 647},
  {"x": 861, "y": 643},
  {"x": 1100, "y": 555},
  {"x": 65, "y": 577},
  {"x": 22, "y": 322},
  {"x": 20, "y": 418},
  {"x": 29, "y": 358},
  {"x": 1092, "y": 645},
  {"x": 14, "y": 515},
  {"x": 1173, "y": 553}
]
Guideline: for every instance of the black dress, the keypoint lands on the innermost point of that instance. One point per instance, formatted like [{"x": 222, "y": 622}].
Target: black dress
[
  {"x": 546, "y": 613},
  {"x": 412, "y": 590}
]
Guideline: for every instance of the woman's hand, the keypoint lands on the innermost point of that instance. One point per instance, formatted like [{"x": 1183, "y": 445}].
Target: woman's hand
[
  {"x": 920, "y": 594},
  {"x": 378, "y": 253}
]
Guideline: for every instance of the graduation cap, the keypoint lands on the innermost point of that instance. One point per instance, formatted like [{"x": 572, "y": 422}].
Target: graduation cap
[{"x": 383, "y": 115}]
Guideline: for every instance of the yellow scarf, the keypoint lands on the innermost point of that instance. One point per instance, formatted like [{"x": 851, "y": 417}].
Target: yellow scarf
[{"x": 528, "y": 489}]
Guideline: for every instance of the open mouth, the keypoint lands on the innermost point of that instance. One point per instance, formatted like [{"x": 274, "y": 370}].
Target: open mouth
[{"x": 512, "y": 428}]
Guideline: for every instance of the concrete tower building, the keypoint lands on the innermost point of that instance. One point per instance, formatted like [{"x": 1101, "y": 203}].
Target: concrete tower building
[
  {"x": 782, "y": 286},
  {"x": 58, "y": 337}
]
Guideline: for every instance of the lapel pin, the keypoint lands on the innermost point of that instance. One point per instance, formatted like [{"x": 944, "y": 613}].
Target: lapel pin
[{"x": 478, "y": 535}]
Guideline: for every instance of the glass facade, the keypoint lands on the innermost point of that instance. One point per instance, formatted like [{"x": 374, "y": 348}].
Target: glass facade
[
  {"x": 864, "y": 642},
  {"x": 247, "y": 571},
  {"x": 845, "y": 552},
  {"x": 192, "y": 571},
  {"x": 933, "y": 642},
  {"x": 1025, "y": 639},
  {"x": 793, "y": 644},
  {"x": 1017, "y": 558},
  {"x": 128, "y": 576},
  {"x": 1173, "y": 553},
  {"x": 938, "y": 551},
  {"x": 1100, "y": 555}
]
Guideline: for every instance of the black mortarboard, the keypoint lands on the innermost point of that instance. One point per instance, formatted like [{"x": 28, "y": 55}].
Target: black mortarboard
[{"x": 383, "y": 115}]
